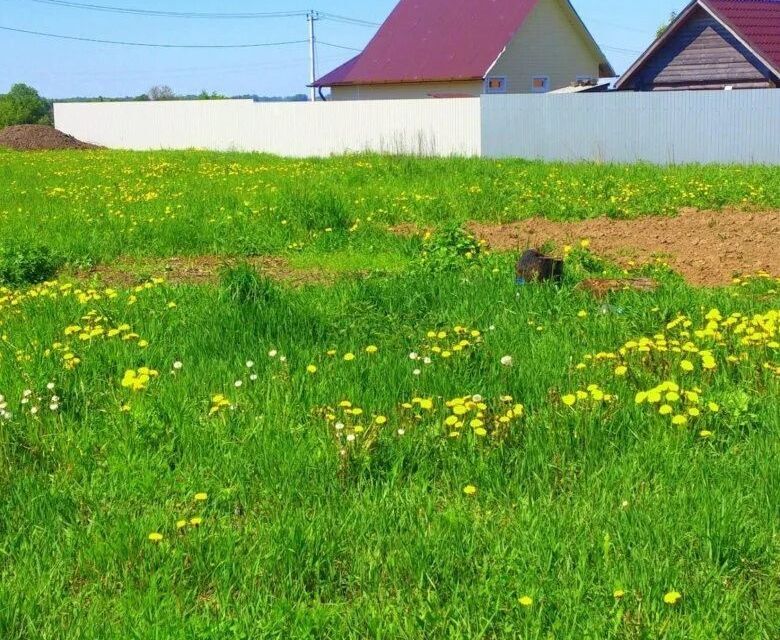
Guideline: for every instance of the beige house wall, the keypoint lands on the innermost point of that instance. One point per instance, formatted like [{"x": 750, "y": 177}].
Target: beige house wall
[
  {"x": 553, "y": 43},
  {"x": 405, "y": 91}
]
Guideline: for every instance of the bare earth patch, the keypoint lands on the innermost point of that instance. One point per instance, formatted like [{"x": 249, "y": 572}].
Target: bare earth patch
[
  {"x": 200, "y": 270},
  {"x": 707, "y": 248}
]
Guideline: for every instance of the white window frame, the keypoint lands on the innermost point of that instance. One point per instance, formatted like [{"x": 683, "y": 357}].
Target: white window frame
[{"x": 546, "y": 84}]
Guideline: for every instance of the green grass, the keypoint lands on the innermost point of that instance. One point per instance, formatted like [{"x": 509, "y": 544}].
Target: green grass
[{"x": 300, "y": 540}]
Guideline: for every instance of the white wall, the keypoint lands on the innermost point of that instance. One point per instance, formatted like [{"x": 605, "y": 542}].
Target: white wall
[
  {"x": 661, "y": 128},
  {"x": 425, "y": 127}
]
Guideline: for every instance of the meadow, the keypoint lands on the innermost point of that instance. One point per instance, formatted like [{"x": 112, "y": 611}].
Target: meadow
[{"x": 411, "y": 447}]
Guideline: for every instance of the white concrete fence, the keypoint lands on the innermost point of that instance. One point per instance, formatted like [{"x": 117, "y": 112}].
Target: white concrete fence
[{"x": 663, "y": 128}]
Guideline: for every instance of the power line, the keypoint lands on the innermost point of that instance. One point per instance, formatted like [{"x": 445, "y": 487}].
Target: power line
[
  {"x": 338, "y": 46},
  {"x": 355, "y": 21},
  {"x": 170, "y": 14},
  {"x": 155, "y": 45}
]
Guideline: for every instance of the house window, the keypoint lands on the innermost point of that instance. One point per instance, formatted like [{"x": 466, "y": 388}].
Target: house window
[
  {"x": 496, "y": 84},
  {"x": 540, "y": 84},
  {"x": 585, "y": 80}
]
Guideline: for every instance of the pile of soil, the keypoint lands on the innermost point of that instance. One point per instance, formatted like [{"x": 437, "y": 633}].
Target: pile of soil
[
  {"x": 706, "y": 247},
  {"x": 37, "y": 137}
]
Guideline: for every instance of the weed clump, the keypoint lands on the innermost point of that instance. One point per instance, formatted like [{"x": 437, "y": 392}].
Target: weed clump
[{"x": 22, "y": 264}]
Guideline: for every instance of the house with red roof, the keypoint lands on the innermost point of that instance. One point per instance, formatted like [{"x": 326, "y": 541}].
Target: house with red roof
[
  {"x": 713, "y": 44},
  {"x": 455, "y": 48}
]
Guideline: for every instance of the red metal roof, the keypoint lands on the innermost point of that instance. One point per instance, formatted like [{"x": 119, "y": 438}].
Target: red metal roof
[
  {"x": 757, "y": 22},
  {"x": 435, "y": 40}
]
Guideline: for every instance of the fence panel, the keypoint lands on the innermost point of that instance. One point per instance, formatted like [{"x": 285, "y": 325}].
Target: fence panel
[
  {"x": 662, "y": 128},
  {"x": 419, "y": 127}
]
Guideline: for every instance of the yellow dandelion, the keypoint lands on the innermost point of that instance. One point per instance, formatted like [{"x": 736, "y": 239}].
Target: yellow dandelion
[
  {"x": 201, "y": 497},
  {"x": 155, "y": 537},
  {"x": 673, "y": 597},
  {"x": 569, "y": 400},
  {"x": 526, "y": 601},
  {"x": 349, "y": 357},
  {"x": 370, "y": 349},
  {"x": 380, "y": 420},
  {"x": 618, "y": 594},
  {"x": 197, "y": 521},
  {"x": 180, "y": 524},
  {"x": 470, "y": 490},
  {"x": 311, "y": 369},
  {"x": 621, "y": 371}
]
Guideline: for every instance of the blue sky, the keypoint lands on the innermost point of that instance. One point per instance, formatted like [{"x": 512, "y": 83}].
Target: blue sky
[{"x": 59, "y": 68}]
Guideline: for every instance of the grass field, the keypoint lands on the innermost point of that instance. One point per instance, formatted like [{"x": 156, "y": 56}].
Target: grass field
[{"x": 417, "y": 448}]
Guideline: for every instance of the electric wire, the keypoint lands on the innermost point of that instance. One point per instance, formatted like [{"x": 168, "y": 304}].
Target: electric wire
[{"x": 152, "y": 44}]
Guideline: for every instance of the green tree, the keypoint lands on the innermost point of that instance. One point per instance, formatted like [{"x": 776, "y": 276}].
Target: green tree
[{"x": 23, "y": 105}]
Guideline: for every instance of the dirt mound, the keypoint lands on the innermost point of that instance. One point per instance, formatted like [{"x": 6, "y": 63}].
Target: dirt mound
[
  {"x": 36, "y": 137},
  {"x": 707, "y": 248}
]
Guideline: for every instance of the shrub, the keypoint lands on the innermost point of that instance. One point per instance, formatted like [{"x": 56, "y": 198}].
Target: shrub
[
  {"x": 22, "y": 264},
  {"x": 450, "y": 249}
]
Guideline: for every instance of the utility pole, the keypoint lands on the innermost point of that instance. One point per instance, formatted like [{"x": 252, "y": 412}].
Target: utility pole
[{"x": 312, "y": 16}]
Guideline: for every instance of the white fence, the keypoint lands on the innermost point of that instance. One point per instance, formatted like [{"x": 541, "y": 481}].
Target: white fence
[
  {"x": 422, "y": 127},
  {"x": 663, "y": 128}
]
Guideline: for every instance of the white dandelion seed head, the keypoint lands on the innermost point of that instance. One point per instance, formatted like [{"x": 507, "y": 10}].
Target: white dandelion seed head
[
  {"x": 27, "y": 393},
  {"x": 253, "y": 377},
  {"x": 237, "y": 384},
  {"x": 507, "y": 361},
  {"x": 477, "y": 398},
  {"x": 427, "y": 360},
  {"x": 33, "y": 410},
  {"x": 416, "y": 372},
  {"x": 273, "y": 353},
  {"x": 413, "y": 356},
  {"x": 339, "y": 426},
  {"x": 50, "y": 386},
  {"x": 54, "y": 406},
  {"x": 178, "y": 365},
  {"x": 351, "y": 437},
  {"x": 401, "y": 432},
  {"x": 249, "y": 364},
  {"x": 282, "y": 358}
]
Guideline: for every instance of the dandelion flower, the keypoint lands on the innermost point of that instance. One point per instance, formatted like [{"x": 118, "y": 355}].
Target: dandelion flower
[
  {"x": 687, "y": 365},
  {"x": 469, "y": 490},
  {"x": 180, "y": 524},
  {"x": 705, "y": 434},
  {"x": 195, "y": 522},
  {"x": 380, "y": 420},
  {"x": 673, "y": 597},
  {"x": 349, "y": 357},
  {"x": 713, "y": 407},
  {"x": 370, "y": 349},
  {"x": 526, "y": 601},
  {"x": 618, "y": 594},
  {"x": 155, "y": 537},
  {"x": 621, "y": 371},
  {"x": 201, "y": 497},
  {"x": 679, "y": 421},
  {"x": 569, "y": 400},
  {"x": 311, "y": 369}
]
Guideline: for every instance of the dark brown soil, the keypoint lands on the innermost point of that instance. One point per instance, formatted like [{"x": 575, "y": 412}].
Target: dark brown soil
[
  {"x": 707, "y": 248},
  {"x": 199, "y": 270},
  {"x": 36, "y": 137}
]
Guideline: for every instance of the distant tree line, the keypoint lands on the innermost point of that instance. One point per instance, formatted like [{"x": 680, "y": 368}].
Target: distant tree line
[{"x": 24, "y": 105}]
